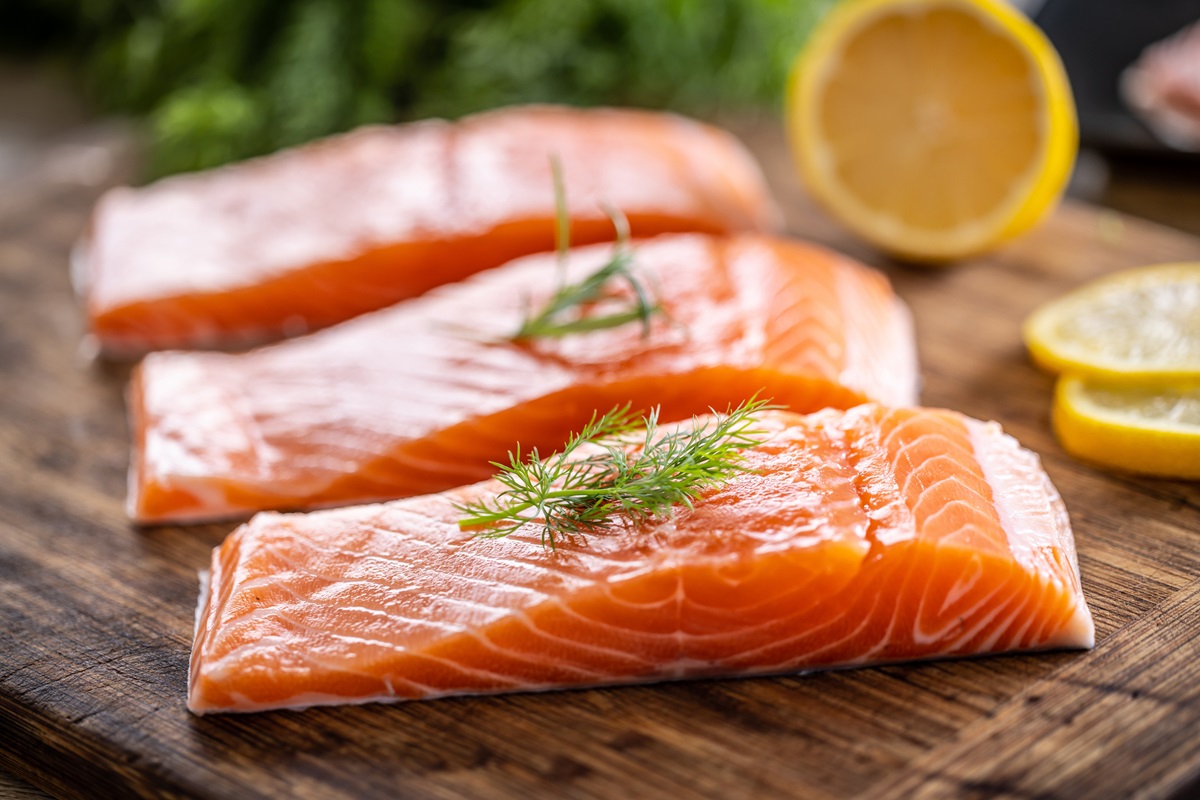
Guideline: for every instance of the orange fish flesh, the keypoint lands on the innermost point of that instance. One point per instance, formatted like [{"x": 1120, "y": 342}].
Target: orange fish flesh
[
  {"x": 316, "y": 235},
  {"x": 421, "y": 397},
  {"x": 855, "y": 538}
]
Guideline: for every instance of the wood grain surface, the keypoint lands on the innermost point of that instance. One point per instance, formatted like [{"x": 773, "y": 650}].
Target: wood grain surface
[
  {"x": 96, "y": 616},
  {"x": 15, "y": 789}
]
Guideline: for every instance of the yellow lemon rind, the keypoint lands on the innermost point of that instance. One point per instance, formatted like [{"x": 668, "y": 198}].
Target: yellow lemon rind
[
  {"x": 1044, "y": 181},
  {"x": 1051, "y": 353},
  {"x": 1113, "y": 441}
]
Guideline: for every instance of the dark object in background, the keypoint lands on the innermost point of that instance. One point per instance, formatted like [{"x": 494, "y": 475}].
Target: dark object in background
[
  {"x": 1097, "y": 40},
  {"x": 1163, "y": 88},
  {"x": 1122, "y": 164}
]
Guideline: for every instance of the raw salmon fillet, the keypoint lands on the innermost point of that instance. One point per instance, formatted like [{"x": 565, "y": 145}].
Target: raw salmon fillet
[
  {"x": 421, "y": 397},
  {"x": 321, "y": 233},
  {"x": 858, "y": 537}
]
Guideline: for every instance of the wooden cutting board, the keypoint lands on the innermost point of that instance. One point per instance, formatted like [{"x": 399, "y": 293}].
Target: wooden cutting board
[{"x": 96, "y": 616}]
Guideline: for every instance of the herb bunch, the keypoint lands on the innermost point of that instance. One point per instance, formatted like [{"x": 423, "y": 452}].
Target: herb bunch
[
  {"x": 608, "y": 474},
  {"x": 224, "y": 79}
]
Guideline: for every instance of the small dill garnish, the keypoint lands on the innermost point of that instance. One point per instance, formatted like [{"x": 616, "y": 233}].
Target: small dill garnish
[
  {"x": 633, "y": 478},
  {"x": 565, "y": 312}
]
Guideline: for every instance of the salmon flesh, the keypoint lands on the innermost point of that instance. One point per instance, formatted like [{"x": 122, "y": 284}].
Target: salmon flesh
[
  {"x": 318, "y": 234},
  {"x": 423, "y": 396},
  {"x": 856, "y": 537}
]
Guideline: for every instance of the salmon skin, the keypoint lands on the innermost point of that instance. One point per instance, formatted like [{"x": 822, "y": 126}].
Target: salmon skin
[
  {"x": 857, "y": 537},
  {"x": 423, "y": 396},
  {"x": 316, "y": 235}
]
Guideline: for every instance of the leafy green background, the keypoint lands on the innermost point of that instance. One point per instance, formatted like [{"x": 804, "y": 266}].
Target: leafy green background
[{"x": 219, "y": 80}]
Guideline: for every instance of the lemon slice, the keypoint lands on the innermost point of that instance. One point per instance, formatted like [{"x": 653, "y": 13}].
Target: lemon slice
[
  {"x": 1155, "y": 431},
  {"x": 1136, "y": 326},
  {"x": 935, "y": 129}
]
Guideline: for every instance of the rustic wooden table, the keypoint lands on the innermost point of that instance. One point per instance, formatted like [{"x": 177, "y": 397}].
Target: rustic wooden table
[{"x": 95, "y": 616}]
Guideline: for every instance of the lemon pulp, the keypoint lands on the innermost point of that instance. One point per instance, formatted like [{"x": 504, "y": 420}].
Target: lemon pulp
[
  {"x": 1135, "y": 326},
  {"x": 933, "y": 128}
]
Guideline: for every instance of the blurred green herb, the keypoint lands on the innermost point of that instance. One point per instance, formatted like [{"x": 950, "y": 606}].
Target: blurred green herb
[{"x": 226, "y": 79}]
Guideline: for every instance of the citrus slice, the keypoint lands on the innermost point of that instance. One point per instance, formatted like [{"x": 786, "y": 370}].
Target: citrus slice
[
  {"x": 935, "y": 129},
  {"x": 1155, "y": 431},
  {"x": 1135, "y": 326}
]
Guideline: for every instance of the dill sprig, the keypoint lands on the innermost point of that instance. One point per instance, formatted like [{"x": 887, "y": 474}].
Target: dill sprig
[
  {"x": 620, "y": 476},
  {"x": 566, "y": 310}
]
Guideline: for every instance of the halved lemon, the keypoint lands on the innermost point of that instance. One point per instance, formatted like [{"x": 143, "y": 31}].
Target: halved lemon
[
  {"x": 1135, "y": 326},
  {"x": 935, "y": 129},
  {"x": 1150, "y": 430}
]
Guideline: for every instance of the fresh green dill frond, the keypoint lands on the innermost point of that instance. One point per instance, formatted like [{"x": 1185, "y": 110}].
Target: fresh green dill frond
[{"x": 607, "y": 474}]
